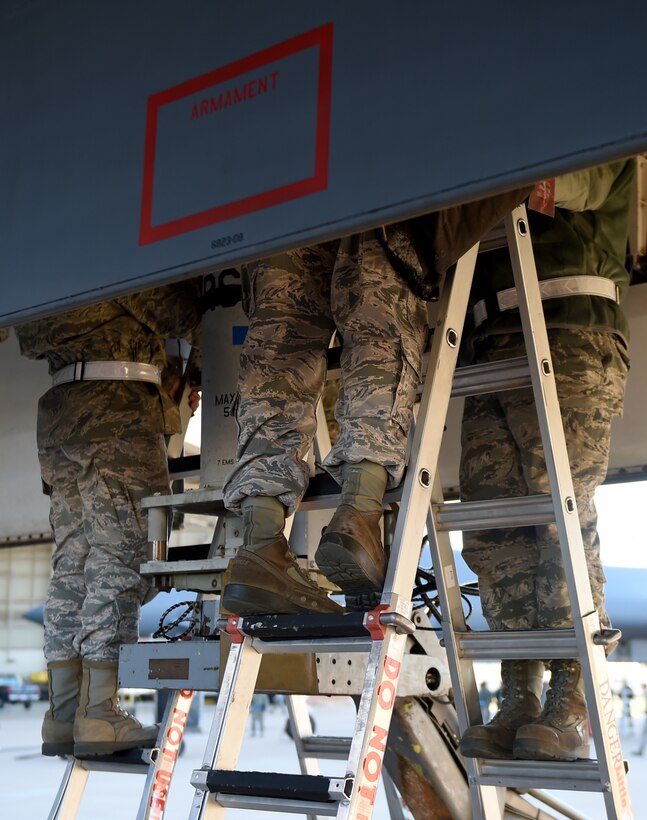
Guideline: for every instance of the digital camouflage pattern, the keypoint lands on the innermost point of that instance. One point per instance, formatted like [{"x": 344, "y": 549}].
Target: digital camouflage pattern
[
  {"x": 100, "y": 531},
  {"x": 295, "y": 302},
  {"x": 101, "y": 450},
  {"x": 131, "y": 328},
  {"x": 520, "y": 571}
]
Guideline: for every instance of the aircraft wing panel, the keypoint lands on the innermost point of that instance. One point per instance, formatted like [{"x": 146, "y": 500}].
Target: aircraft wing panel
[{"x": 148, "y": 143}]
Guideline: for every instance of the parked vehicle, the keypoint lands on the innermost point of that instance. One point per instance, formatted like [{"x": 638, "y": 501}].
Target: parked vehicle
[
  {"x": 40, "y": 679},
  {"x": 14, "y": 690}
]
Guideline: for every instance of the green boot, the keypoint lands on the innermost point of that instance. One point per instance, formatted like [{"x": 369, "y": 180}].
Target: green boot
[
  {"x": 64, "y": 681},
  {"x": 263, "y": 521},
  {"x": 522, "y": 683},
  {"x": 350, "y": 553},
  {"x": 561, "y": 730},
  {"x": 101, "y": 727},
  {"x": 265, "y": 577}
]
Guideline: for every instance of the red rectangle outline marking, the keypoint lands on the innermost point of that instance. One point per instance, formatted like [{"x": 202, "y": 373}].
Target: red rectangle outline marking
[{"x": 322, "y": 37}]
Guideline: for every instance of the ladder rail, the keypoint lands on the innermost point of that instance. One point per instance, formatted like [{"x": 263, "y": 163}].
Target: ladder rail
[
  {"x": 392, "y": 798},
  {"x": 374, "y": 712},
  {"x": 548, "y": 411},
  {"x": 70, "y": 792},
  {"x": 160, "y": 771},
  {"x": 385, "y": 660},
  {"x": 585, "y": 618},
  {"x": 229, "y": 722},
  {"x": 72, "y": 787},
  {"x": 301, "y": 727},
  {"x": 488, "y": 800},
  {"x": 425, "y": 450},
  {"x": 427, "y": 439}
]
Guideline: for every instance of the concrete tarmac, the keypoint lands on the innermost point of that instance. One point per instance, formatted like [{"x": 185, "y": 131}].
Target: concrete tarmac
[{"x": 29, "y": 782}]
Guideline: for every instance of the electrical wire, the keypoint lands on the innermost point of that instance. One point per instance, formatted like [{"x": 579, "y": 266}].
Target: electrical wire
[{"x": 190, "y": 612}]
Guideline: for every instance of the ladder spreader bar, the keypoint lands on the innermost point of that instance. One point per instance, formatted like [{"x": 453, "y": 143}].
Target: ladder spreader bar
[
  {"x": 493, "y": 377},
  {"x": 527, "y": 511},
  {"x": 555, "y": 774},
  {"x": 522, "y": 644}
]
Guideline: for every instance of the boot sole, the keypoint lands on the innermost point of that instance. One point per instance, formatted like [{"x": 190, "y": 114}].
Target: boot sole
[
  {"x": 481, "y": 748},
  {"x": 241, "y": 599},
  {"x": 540, "y": 750},
  {"x": 363, "y": 603},
  {"x": 89, "y": 749},
  {"x": 346, "y": 564},
  {"x": 57, "y": 749}
]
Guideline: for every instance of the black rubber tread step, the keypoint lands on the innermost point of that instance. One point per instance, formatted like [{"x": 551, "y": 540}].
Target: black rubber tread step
[
  {"x": 307, "y": 787},
  {"x": 307, "y": 625}
]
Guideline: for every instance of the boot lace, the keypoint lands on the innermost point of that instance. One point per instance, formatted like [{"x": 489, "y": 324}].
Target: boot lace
[
  {"x": 304, "y": 574},
  {"x": 512, "y": 692},
  {"x": 561, "y": 687}
]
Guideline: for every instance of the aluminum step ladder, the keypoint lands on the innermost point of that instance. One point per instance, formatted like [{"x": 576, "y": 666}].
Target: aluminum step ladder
[
  {"x": 382, "y": 633},
  {"x": 586, "y": 640},
  {"x": 157, "y": 764}
]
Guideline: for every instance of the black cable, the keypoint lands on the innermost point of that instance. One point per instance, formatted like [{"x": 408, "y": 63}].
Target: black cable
[
  {"x": 470, "y": 608},
  {"x": 426, "y": 583},
  {"x": 190, "y": 611}
]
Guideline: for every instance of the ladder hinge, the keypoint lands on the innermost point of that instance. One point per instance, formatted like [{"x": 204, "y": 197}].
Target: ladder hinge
[
  {"x": 233, "y": 631},
  {"x": 379, "y": 619}
]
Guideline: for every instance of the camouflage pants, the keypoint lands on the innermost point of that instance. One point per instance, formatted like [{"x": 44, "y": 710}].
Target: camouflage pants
[
  {"x": 520, "y": 570},
  {"x": 296, "y": 302},
  {"x": 100, "y": 532}
]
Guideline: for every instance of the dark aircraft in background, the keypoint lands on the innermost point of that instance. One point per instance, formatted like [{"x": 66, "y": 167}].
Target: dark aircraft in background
[
  {"x": 626, "y": 591},
  {"x": 151, "y": 612}
]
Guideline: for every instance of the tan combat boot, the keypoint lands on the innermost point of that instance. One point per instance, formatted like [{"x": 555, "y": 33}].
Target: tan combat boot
[
  {"x": 265, "y": 578},
  {"x": 64, "y": 681},
  {"x": 350, "y": 553},
  {"x": 268, "y": 580},
  {"x": 522, "y": 683},
  {"x": 561, "y": 730},
  {"x": 101, "y": 727}
]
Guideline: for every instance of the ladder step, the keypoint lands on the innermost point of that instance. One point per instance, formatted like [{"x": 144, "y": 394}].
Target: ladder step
[
  {"x": 205, "y": 501},
  {"x": 309, "y": 808},
  {"x": 518, "y": 644},
  {"x": 493, "y": 377},
  {"x": 330, "y": 748},
  {"x": 131, "y": 761},
  {"x": 527, "y": 511},
  {"x": 579, "y": 775},
  {"x": 309, "y": 625},
  {"x": 272, "y": 785},
  {"x": 314, "y": 632},
  {"x": 189, "y": 566},
  {"x": 318, "y": 646}
]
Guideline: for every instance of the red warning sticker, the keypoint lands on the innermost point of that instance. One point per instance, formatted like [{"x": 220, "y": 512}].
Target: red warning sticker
[{"x": 243, "y": 137}]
